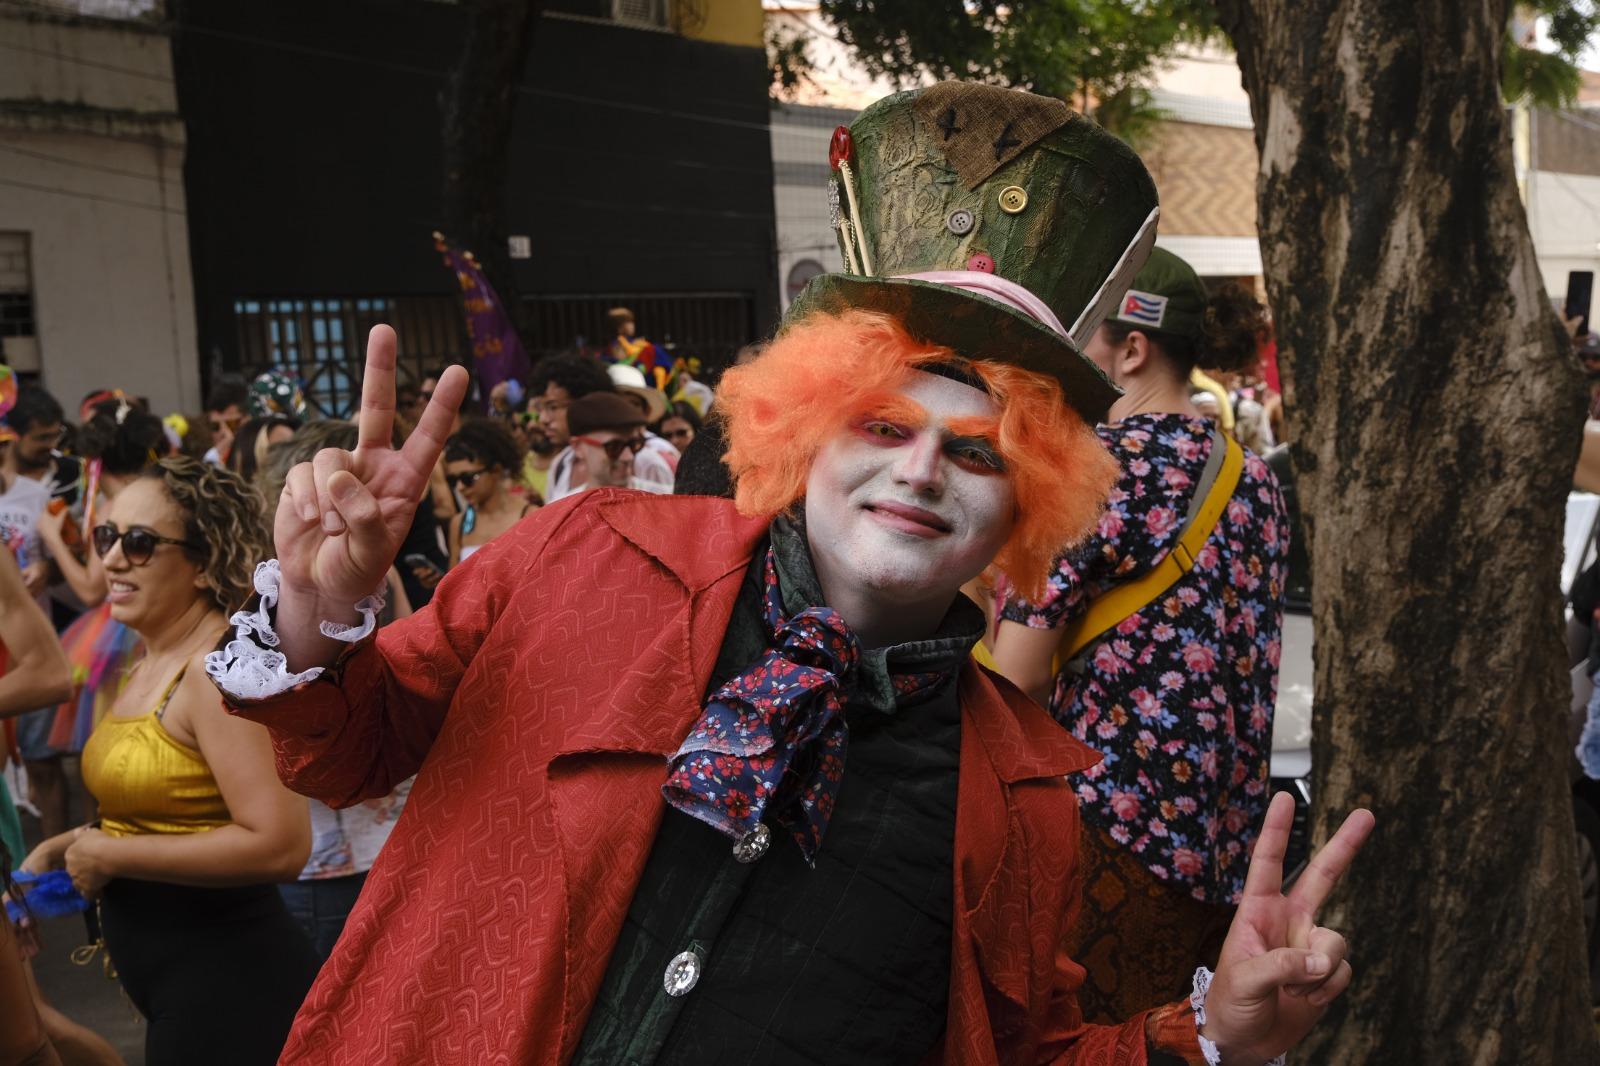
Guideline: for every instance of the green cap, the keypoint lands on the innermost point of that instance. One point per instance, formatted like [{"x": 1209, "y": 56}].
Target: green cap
[
  {"x": 1019, "y": 222},
  {"x": 1166, "y": 296}
]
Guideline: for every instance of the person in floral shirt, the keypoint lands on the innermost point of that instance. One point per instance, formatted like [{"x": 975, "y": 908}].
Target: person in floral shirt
[{"x": 1178, "y": 695}]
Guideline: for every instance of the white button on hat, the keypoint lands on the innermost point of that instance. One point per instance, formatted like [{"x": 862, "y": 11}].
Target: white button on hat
[
  {"x": 683, "y": 973},
  {"x": 753, "y": 844},
  {"x": 960, "y": 221}
]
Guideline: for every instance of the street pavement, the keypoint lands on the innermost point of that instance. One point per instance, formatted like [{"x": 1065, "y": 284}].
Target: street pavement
[{"x": 85, "y": 993}]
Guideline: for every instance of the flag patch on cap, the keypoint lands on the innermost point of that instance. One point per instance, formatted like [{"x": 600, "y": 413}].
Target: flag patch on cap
[{"x": 1145, "y": 307}]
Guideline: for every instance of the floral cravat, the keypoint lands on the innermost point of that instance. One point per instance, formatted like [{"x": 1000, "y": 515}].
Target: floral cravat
[{"x": 772, "y": 739}]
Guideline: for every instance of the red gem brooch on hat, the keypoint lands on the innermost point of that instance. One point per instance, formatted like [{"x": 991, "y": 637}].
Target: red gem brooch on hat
[{"x": 852, "y": 235}]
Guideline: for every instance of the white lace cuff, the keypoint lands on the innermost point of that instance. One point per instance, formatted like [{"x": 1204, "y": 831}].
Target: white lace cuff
[
  {"x": 1197, "y": 1003},
  {"x": 248, "y": 667}
]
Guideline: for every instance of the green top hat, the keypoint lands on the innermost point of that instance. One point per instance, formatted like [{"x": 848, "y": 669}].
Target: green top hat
[{"x": 1029, "y": 220}]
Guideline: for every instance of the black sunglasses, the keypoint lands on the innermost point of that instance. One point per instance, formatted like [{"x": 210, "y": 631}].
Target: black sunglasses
[
  {"x": 466, "y": 481},
  {"x": 138, "y": 542}
]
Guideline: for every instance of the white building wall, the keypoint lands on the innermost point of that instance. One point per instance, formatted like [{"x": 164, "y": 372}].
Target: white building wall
[
  {"x": 800, "y": 173},
  {"x": 1205, "y": 72},
  {"x": 1564, "y": 219},
  {"x": 91, "y": 171}
]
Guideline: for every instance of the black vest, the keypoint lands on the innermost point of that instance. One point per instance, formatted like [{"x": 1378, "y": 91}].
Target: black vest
[{"x": 845, "y": 963}]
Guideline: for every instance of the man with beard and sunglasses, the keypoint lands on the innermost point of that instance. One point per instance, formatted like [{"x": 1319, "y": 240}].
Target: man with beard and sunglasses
[
  {"x": 718, "y": 782},
  {"x": 557, "y": 383}
]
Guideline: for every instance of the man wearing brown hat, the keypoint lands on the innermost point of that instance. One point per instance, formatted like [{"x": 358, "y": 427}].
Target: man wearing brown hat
[
  {"x": 607, "y": 433},
  {"x": 718, "y": 782}
]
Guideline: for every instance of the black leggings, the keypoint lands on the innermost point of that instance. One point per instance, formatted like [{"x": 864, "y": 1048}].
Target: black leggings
[{"x": 218, "y": 973}]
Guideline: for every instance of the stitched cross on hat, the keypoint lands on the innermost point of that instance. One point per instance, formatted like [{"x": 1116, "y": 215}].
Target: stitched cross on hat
[{"x": 984, "y": 129}]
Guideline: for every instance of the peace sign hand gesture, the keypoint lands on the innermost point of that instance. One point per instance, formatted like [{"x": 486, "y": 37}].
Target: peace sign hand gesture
[
  {"x": 1279, "y": 970},
  {"x": 343, "y": 516}
]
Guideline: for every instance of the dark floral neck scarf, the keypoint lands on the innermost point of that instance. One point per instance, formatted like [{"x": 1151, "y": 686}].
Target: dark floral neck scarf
[{"x": 770, "y": 745}]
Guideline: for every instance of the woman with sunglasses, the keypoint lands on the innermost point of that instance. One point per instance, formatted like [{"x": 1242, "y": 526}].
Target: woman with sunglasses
[
  {"x": 680, "y": 424},
  {"x": 195, "y": 828},
  {"x": 481, "y": 464},
  {"x": 119, "y": 441}
]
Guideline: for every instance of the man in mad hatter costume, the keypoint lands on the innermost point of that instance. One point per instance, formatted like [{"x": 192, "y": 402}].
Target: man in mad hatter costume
[{"x": 717, "y": 782}]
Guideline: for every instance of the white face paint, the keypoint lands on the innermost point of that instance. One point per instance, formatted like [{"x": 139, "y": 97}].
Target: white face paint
[{"x": 907, "y": 513}]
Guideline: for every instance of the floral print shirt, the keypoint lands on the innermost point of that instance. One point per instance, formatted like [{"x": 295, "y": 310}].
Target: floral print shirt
[{"x": 1179, "y": 696}]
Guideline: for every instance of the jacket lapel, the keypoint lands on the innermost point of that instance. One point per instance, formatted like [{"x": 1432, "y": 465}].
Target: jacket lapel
[
  {"x": 1006, "y": 741},
  {"x": 649, "y": 702},
  {"x": 609, "y": 766}
]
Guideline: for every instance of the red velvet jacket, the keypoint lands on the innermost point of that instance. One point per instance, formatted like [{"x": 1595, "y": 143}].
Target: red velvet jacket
[{"x": 537, "y": 700}]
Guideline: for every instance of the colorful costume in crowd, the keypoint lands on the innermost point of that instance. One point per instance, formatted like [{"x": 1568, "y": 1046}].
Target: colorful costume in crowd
[
  {"x": 684, "y": 388},
  {"x": 100, "y": 651},
  {"x": 274, "y": 392},
  {"x": 625, "y": 349},
  {"x": 667, "y": 809}
]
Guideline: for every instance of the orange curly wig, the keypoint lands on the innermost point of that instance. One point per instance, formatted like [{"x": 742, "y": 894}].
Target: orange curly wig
[{"x": 825, "y": 371}]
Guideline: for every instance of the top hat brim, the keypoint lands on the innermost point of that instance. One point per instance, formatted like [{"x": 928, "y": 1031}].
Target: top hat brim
[{"x": 971, "y": 325}]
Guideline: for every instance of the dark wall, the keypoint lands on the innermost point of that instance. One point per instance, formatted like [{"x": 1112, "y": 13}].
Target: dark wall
[{"x": 641, "y": 161}]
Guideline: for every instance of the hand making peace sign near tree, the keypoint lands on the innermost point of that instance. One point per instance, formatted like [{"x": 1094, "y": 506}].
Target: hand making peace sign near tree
[
  {"x": 343, "y": 516},
  {"x": 1279, "y": 969}
]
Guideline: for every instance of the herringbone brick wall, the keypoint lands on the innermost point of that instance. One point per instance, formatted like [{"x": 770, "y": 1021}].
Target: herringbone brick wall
[{"x": 1206, "y": 176}]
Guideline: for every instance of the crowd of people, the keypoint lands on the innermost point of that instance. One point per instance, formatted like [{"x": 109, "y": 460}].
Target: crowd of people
[
  {"x": 439, "y": 735},
  {"x": 131, "y": 538}
]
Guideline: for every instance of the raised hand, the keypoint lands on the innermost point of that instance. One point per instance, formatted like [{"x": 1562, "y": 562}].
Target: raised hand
[
  {"x": 1279, "y": 970},
  {"x": 343, "y": 515}
]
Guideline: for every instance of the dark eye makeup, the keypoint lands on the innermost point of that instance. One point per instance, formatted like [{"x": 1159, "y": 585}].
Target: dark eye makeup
[{"x": 975, "y": 453}]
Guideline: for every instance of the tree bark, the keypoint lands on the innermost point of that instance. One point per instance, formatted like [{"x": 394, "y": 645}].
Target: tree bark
[
  {"x": 1435, "y": 410},
  {"x": 478, "y": 104}
]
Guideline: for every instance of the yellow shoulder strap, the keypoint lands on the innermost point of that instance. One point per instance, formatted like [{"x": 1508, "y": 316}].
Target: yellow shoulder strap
[
  {"x": 1124, "y": 600},
  {"x": 980, "y": 652}
]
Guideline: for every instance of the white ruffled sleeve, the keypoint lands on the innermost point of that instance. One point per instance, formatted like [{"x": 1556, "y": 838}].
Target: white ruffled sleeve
[
  {"x": 1197, "y": 1003},
  {"x": 249, "y": 667}
]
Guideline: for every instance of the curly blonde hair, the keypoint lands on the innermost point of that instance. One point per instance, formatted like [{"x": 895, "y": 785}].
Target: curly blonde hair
[{"x": 222, "y": 513}]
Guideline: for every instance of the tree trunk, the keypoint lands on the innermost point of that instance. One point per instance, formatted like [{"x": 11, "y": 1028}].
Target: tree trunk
[
  {"x": 478, "y": 104},
  {"x": 1434, "y": 407}
]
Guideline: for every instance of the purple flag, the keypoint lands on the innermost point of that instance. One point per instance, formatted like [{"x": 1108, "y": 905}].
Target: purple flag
[{"x": 497, "y": 353}]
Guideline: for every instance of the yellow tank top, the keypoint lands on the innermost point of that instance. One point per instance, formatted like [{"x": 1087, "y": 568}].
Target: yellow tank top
[{"x": 146, "y": 781}]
